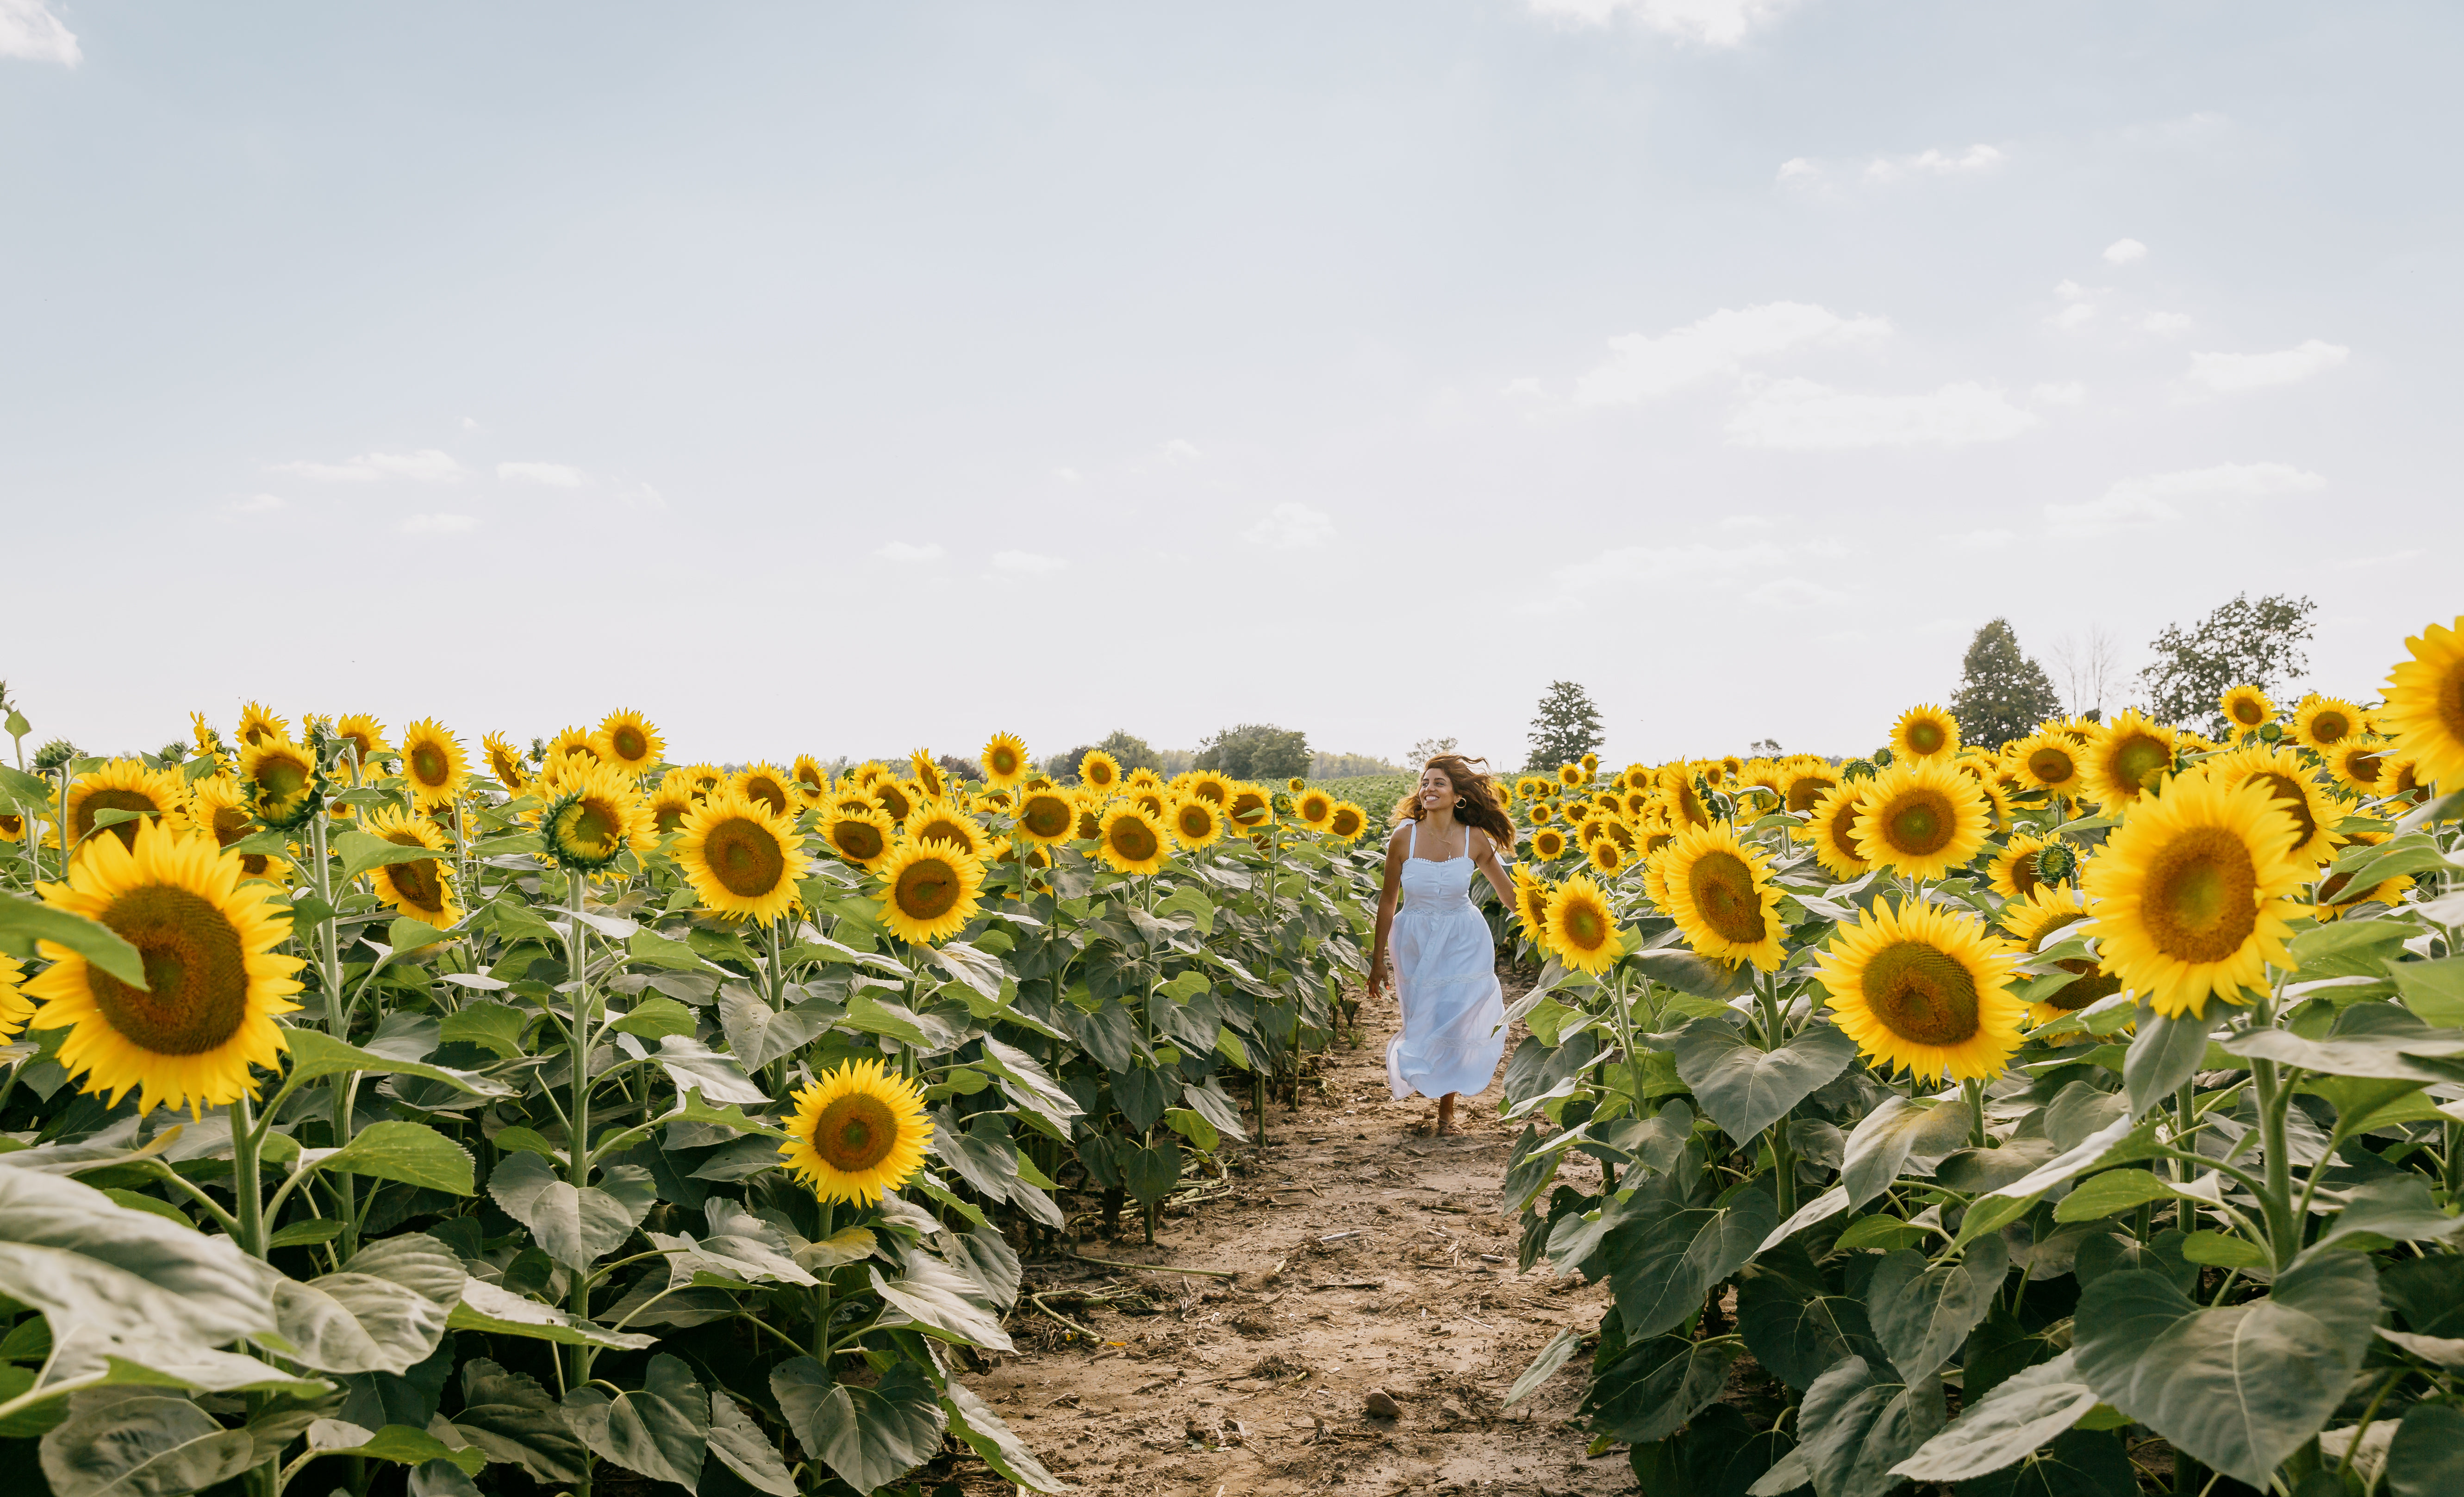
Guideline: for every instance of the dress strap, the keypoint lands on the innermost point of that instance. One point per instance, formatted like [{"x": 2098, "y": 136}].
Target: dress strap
[{"x": 1412, "y": 842}]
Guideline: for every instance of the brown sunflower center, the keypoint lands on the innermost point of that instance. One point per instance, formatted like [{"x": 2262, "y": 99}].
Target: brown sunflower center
[
  {"x": 428, "y": 764},
  {"x": 2288, "y": 794},
  {"x": 745, "y": 857},
  {"x": 1133, "y": 840},
  {"x": 2447, "y": 699},
  {"x": 1196, "y": 821},
  {"x": 1584, "y": 925},
  {"x": 2246, "y": 712},
  {"x": 2201, "y": 898},
  {"x": 1805, "y": 789},
  {"x": 855, "y": 1133},
  {"x": 773, "y": 794},
  {"x": 1919, "y": 823},
  {"x": 2023, "y": 872},
  {"x": 668, "y": 817},
  {"x": 1045, "y": 816},
  {"x": 860, "y": 841},
  {"x": 2330, "y": 725},
  {"x": 1345, "y": 823},
  {"x": 2050, "y": 765},
  {"x": 1843, "y": 833},
  {"x": 586, "y": 827},
  {"x": 1925, "y": 737},
  {"x": 2364, "y": 767},
  {"x": 1723, "y": 886},
  {"x": 102, "y": 800},
  {"x": 630, "y": 744},
  {"x": 945, "y": 830},
  {"x": 2137, "y": 760},
  {"x": 1099, "y": 775},
  {"x": 1002, "y": 761},
  {"x": 229, "y": 825},
  {"x": 1922, "y": 993},
  {"x": 419, "y": 884},
  {"x": 927, "y": 889},
  {"x": 194, "y": 966},
  {"x": 888, "y": 800}
]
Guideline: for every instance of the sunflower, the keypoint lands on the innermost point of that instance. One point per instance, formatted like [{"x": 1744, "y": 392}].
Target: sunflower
[
  {"x": 258, "y": 724},
  {"x": 1099, "y": 770},
  {"x": 281, "y": 781},
  {"x": 741, "y": 857},
  {"x": 1543, "y": 813},
  {"x": 1532, "y": 896},
  {"x": 705, "y": 778},
  {"x": 2399, "y": 779},
  {"x": 1004, "y": 760},
  {"x": 1677, "y": 790},
  {"x": 2324, "y": 721},
  {"x": 1548, "y": 844},
  {"x": 935, "y": 820},
  {"x": 2246, "y": 708},
  {"x": 670, "y": 803},
  {"x": 928, "y": 774},
  {"x": 2127, "y": 758},
  {"x": 2012, "y": 867},
  {"x": 432, "y": 764},
  {"x": 1142, "y": 778},
  {"x": 1800, "y": 788},
  {"x": 626, "y": 740},
  {"x": 2030, "y": 922},
  {"x": 1591, "y": 829},
  {"x": 929, "y": 892},
  {"x": 1250, "y": 809},
  {"x": 1569, "y": 775},
  {"x": 13, "y": 827},
  {"x": 596, "y": 815},
  {"x": 1131, "y": 842},
  {"x": 1580, "y": 929},
  {"x": 809, "y": 780},
  {"x": 505, "y": 763},
  {"x": 125, "y": 785},
  {"x": 1925, "y": 732},
  {"x": 2359, "y": 762},
  {"x": 1719, "y": 892},
  {"x": 215, "y": 979},
  {"x": 1207, "y": 785},
  {"x": 892, "y": 797},
  {"x": 1926, "y": 988},
  {"x": 1923, "y": 818},
  {"x": 858, "y": 1133},
  {"x": 768, "y": 785},
  {"x": 219, "y": 807},
  {"x": 1195, "y": 821},
  {"x": 15, "y": 1007},
  {"x": 1833, "y": 830},
  {"x": 1313, "y": 808},
  {"x": 366, "y": 737},
  {"x": 2331, "y": 898},
  {"x": 2296, "y": 792},
  {"x": 1347, "y": 821},
  {"x": 1605, "y": 857},
  {"x": 2191, "y": 892},
  {"x": 2049, "y": 760},
  {"x": 862, "y": 836},
  {"x": 210, "y": 743},
  {"x": 573, "y": 740},
  {"x": 2425, "y": 704},
  {"x": 418, "y": 888},
  {"x": 1046, "y": 816}
]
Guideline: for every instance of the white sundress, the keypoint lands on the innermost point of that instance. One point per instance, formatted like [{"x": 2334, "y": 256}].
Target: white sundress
[{"x": 1445, "y": 977}]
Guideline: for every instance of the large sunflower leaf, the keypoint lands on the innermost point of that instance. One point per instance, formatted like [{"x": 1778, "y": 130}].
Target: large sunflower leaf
[
  {"x": 870, "y": 1437},
  {"x": 1921, "y": 1312},
  {"x": 938, "y": 1298},
  {"x": 2426, "y": 1457},
  {"x": 25, "y": 921},
  {"x": 2165, "y": 1053},
  {"x": 412, "y": 1153},
  {"x": 514, "y": 1420},
  {"x": 1663, "y": 1267},
  {"x": 660, "y": 1430},
  {"x": 1856, "y": 1424},
  {"x": 757, "y": 1034},
  {"x": 2240, "y": 1387},
  {"x": 1656, "y": 1385},
  {"x": 973, "y": 1420},
  {"x": 138, "y": 1442},
  {"x": 315, "y": 1054},
  {"x": 694, "y": 1066},
  {"x": 492, "y": 1308},
  {"x": 83, "y": 1259},
  {"x": 574, "y": 1225},
  {"x": 2025, "y": 1411},
  {"x": 384, "y": 1312},
  {"x": 2079, "y": 1463},
  {"x": 1792, "y": 1321},
  {"x": 744, "y": 1448},
  {"x": 1746, "y": 1089}
]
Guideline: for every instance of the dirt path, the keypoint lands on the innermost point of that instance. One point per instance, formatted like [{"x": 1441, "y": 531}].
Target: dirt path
[{"x": 1371, "y": 1255}]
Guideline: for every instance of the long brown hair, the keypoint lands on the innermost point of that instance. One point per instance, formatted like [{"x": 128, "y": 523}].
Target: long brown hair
[{"x": 1479, "y": 806}]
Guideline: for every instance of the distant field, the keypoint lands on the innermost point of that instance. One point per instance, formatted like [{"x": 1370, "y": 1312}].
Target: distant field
[{"x": 1373, "y": 794}]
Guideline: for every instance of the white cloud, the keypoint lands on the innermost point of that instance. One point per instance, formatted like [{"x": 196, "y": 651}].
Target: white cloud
[
  {"x": 2227, "y": 374},
  {"x": 1631, "y": 567},
  {"x": 1026, "y": 563},
  {"x": 2067, "y": 392},
  {"x": 2073, "y": 316},
  {"x": 1976, "y": 161},
  {"x": 471, "y": 423},
  {"x": 2145, "y": 503},
  {"x": 644, "y": 496},
  {"x": 1798, "y": 169},
  {"x": 2121, "y": 251},
  {"x": 1640, "y": 366},
  {"x": 258, "y": 504},
  {"x": 2166, "y": 324},
  {"x": 1800, "y": 415},
  {"x": 1181, "y": 451},
  {"x": 2072, "y": 290},
  {"x": 555, "y": 475},
  {"x": 427, "y": 465},
  {"x": 1714, "y": 23},
  {"x": 1525, "y": 388},
  {"x": 1292, "y": 527},
  {"x": 438, "y": 524},
  {"x": 901, "y": 551},
  {"x": 1068, "y": 475},
  {"x": 29, "y": 29}
]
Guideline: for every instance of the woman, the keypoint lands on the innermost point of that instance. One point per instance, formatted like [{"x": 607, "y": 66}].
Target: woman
[{"x": 1445, "y": 968}]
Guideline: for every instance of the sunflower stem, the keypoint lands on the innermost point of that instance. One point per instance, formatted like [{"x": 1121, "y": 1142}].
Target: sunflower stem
[
  {"x": 338, "y": 1023},
  {"x": 578, "y": 1151},
  {"x": 248, "y": 1206},
  {"x": 1975, "y": 1091}
]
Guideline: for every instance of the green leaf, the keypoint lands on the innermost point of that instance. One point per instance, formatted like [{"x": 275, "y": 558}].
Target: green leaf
[
  {"x": 650, "y": 948},
  {"x": 2426, "y": 1457},
  {"x": 1029, "y": 1085},
  {"x": 574, "y": 1225},
  {"x": 412, "y": 1153},
  {"x": 25, "y": 921},
  {"x": 936, "y": 1298},
  {"x": 1555, "y": 1355},
  {"x": 1663, "y": 1268},
  {"x": 1856, "y": 1424},
  {"x": 2223, "y": 1251},
  {"x": 2087, "y": 1461},
  {"x": 2116, "y": 1190},
  {"x": 1791, "y": 1319},
  {"x": 397, "y": 1443},
  {"x": 744, "y": 1448},
  {"x": 656, "y": 1017},
  {"x": 137, "y": 1442},
  {"x": 1656, "y": 1385},
  {"x": 316, "y": 1054},
  {"x": 2242, "y": 1388},
  {"x": 1885, "y": 1232},
  {"x": 1899, "y": 1129},
  {"x": 84, "y": 1261},
  {"x": 2432, "y": 990},
  {"x": 867, "y": 1015},
  {"x": 2021, "y": 1413},
  {"x": 306, "y": 1232},
  {"x": 2165, "y": 1053},
  {"x": 137, "y": 1201},
  {"x": 1689, "y": 973},
  {"x": 1193, "y": 1127},
  {"x": 661, "y": 1430},
  {"x": 2391, "y": 1209},
  {"x": 2347, "y": 947},
  {"x": 384, "y": 1311},
  {"x": 363, "y": 852},
  {"x": 2426, "y": 1057},
  {"x": 870, "y": 1437},
  {"x": 694, "y": 1066},
  {"x": 980, "y": 970},
  {"x": 1150, "y": 1172},
  {"x": 1922, "y": 1312},
  {"x": 757, "y": 1034},
  {"x": 973, "y": 1420},
  {"x": 492, "y": 1308},
  {"x": 2364, "y": 1104},
  {"x": 509, "y": 1417},
  {"x": 1746, "y": 1089},
  {"x": 493, "y": 1026},
  {"x": 407, "y": 934}
]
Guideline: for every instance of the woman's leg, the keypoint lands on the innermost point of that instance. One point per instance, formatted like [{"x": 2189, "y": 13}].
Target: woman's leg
[{"x": 1446, "y": 1115}]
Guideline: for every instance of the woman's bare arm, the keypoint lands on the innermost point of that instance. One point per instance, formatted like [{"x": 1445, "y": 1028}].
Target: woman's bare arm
[
  {"x": 1387, "y": 896},
  {"x": 1483, "y": 857}
]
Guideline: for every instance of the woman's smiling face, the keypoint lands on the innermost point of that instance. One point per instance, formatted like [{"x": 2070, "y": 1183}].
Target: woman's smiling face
[{"x": 1436, "y": 791}]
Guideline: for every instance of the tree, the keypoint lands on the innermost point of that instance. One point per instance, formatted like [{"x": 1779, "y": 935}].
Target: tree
[
  {"x": 2089, "y": 669},
  {"x": 2241, "y": 642},
  {"x": 2003, "y": 693},
  {"x": 1132, "y": 751},
  {"x": 1428, "y": 748},
  {"x": 1063, "y": 767},
  {"x": 1255, "y": 752},
  {"x": 1566, "y": 727}
]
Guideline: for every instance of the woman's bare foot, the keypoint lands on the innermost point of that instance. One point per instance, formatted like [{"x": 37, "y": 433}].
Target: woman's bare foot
[{"x": 1446, "y": 1116}]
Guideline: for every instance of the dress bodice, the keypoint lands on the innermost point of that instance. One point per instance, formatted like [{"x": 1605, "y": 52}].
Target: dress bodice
[{"x": 1430, "y": 882}]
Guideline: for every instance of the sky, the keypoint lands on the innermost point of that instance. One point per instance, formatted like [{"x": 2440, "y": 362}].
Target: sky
[{"x": 841, "y": 378}]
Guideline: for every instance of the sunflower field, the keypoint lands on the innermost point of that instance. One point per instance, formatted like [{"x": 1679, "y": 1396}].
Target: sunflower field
[
  {"x": 522, "y": 1119},
  {"x": 2072, "y": 1116}
]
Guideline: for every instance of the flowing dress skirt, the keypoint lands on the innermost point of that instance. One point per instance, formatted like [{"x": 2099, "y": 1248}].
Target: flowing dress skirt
[{"x": 1454, "y": 1012}]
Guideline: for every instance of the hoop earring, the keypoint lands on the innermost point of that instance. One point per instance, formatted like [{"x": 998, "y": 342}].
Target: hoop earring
[{"x": 1460, "y": 803}]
